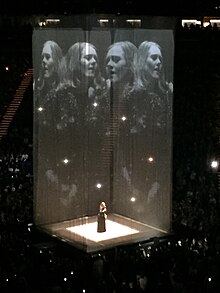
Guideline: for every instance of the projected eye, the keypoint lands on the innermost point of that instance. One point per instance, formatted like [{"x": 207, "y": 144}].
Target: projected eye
[
  {"x": 90, "y": 57},
  {"x": 115, "y": 59},
  {"x": 46, "y": 56},
  {"x": 155, "y": 57}
]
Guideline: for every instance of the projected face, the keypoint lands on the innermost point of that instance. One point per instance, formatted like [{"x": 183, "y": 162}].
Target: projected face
[
  {"x": 89, "y": 61},
  {"x": 116, "y": 65},
  {"x": 47, "y": 61},
  {"x": 153, "y": 62}
]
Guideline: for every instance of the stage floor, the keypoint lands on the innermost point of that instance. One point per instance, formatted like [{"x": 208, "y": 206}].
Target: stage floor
[{"x": 120, "y": 230}]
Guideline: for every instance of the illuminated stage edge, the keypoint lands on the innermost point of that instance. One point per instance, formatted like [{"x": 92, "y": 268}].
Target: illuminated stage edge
[{"x": 120, "y": 230}]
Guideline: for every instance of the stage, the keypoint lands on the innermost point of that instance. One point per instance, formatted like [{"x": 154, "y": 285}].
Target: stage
[{"x": 120, "y": 230}]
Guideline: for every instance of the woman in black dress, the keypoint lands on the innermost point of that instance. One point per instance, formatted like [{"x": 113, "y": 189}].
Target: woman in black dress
[{"x": 102, "y": 217}]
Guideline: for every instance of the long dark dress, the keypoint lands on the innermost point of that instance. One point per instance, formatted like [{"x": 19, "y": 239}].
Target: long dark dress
[{"x": 101, "y": 222}]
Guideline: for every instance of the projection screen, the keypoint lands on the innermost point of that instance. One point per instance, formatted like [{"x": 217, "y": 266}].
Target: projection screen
[{"x": 103, "y": 103}]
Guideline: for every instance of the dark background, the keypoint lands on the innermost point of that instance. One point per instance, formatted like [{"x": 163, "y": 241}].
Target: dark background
[{"x": 32, "y": 262}]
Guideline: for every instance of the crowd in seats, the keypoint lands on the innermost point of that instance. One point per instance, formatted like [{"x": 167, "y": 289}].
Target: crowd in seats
[{"x": 186, "y": 261}]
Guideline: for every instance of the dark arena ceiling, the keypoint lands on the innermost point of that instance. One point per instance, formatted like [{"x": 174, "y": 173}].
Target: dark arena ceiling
[{"x": 131, "y": 7}]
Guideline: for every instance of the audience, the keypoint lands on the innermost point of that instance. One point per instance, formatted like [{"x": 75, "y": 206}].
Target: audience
[{"x": 186, "y": 261}]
